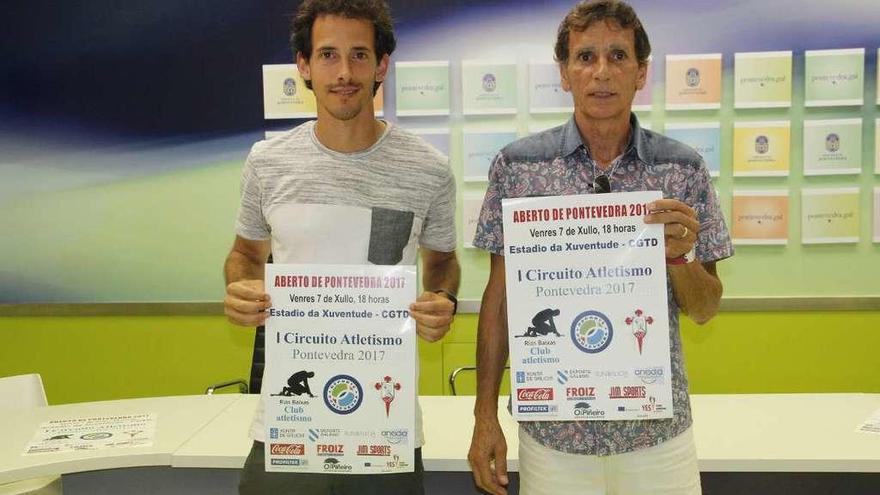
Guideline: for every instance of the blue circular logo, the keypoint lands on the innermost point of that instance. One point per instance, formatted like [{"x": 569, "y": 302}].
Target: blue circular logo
[
  {"x": 591, "y": 332},
  {"x": 343, "y": 394}
]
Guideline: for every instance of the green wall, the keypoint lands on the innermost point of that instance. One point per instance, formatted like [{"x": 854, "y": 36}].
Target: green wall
[{"x": 101, "y": 358}]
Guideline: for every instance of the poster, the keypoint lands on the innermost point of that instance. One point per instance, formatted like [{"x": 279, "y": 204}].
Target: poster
[
  {"x": 438, "y": 138},
  {"x": 693, "y": 82},
  {"x": 832, "y": 147},
  {"x": 545, "y": 89},
  {"x": 488, "y": 87},
  {"x": 422, "y": 88},
  {"x": 340, "y": 381},
  {"x": 644, "y": 97},
  {"x": 587, "y": 308},
  {"x": 470, "y": 215},
  {"x": 761, "y": 149},
  {"x": 834, "y": 77},
  {"x": 285, "y": 95},
  {"x": 479, "y": 148},
  {"x": 94, "y": 433},
  {"x": 830, "y": 215},
  {"x": 704, "y": 137},
  {"x": 759, "y": 217},
  {"x": 762, "y": 79}
]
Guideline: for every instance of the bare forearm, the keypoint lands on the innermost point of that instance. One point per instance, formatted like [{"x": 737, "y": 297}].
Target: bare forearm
[
  {"x": 443, "y": 273},
  {"x": 697, "y": 290},
  {"x": 492, "y": 353},
  {"x": 239, "y": 266}
]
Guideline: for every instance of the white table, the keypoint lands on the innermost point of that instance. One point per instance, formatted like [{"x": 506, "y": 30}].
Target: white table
[
  {"x": 178, "y": 419},
  {"x": 734, "y": 433}
]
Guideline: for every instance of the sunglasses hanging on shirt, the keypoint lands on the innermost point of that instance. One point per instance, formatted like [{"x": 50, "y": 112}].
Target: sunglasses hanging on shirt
[{"x": 601, "y": 185}]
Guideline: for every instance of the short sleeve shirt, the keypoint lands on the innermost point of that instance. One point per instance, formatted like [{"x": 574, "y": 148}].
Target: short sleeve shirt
[{"x": 555, "y": 163}]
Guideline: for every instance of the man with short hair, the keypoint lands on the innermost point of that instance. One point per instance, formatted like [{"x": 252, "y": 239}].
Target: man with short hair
[
  {"x": 344, "y": 189},
  {"x": 602, "y": 51}
]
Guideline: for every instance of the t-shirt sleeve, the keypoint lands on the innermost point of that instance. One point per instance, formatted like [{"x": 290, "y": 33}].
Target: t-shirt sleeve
[
  {"x": 490, "y": 226},
  {"x": 713, "y": 241},
  {"x": 251, "y": 223},
  {"x": 438, "y": 232}
]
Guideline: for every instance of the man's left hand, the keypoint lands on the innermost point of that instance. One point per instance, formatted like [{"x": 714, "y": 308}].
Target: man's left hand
[
  {"x": 433, "y": 315},
  {"x": 680, "y": 225}
]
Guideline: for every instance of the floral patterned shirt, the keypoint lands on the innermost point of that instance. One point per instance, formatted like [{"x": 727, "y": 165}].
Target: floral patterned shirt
[{"x": 556, "y": 162}]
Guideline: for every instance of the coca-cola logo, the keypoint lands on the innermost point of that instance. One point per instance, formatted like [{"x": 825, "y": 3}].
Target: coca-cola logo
[
  {"x": 534, "y": 394},
  {"x": 288, "y": 449}
]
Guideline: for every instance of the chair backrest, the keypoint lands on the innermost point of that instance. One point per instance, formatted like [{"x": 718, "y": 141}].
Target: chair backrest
[{"x": 22, "y": 392}]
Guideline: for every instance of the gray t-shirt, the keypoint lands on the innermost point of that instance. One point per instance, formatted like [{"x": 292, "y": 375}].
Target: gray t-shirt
[{"x": 375, "y": 206}]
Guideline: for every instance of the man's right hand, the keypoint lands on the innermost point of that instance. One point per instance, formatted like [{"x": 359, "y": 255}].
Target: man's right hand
[
  {"x": 488, "y": 446},
  {"x": 246, "y": 303}
]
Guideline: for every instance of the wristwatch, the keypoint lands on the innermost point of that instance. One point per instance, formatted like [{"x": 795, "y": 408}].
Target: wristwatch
[
  {"x": 449, "y": 296},
  {"x": 684, "y": 259}
]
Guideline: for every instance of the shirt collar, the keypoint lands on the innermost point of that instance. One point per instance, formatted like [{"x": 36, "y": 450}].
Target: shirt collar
[{"x": 572, "y": 140}]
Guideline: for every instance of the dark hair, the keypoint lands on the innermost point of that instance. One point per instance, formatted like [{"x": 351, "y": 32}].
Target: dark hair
[
  {"x": 587, "y": 12},
  {"x": 375, "y": 11}
]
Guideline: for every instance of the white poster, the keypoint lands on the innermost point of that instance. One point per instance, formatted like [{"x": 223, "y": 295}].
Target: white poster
[
  {"x": 340, "y": 369},
  {"x": 94, "y": 433},
  {"x": 587, "y": 308}
]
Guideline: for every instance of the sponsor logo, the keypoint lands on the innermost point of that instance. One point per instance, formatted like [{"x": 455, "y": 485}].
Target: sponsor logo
[
  {"x": 387, "y": 388},
  {"x": 611, "y": 374},
  {"x": 561, "y": 377},
  {"x": 273, "y": 433},
  {"x": 591, "y": 332},
  {"x": 313, "y": 435},
  {"x": 585, "y": 410},
  {"x": 638, "y": 323},
  {"x": 395, "y": 463},
  {"x": 489, "y": 82},
  {"x": 629, "y": 392},
  {"x": 536, "y": 408},
  {"x": 542, "y": 324},
  {"x": 96, "y": 436},
  {"x": 650, "y": 375},
  {"x": 289, "y": 462},
  {"x": 343, "y": 394},
  {"x": 534, "y": 394},
  {"x": 374, "y": 450},
  {"x": 289, "y": 86},
  {"x": 653, "y": 406},
  {"x": 832, "y": 142},
  {"x": 580, "y": 393},
  {"x": 333, "y": 464},
  {"x": 287, "y": 449},
  {"x": 297, "y": 385},
  {"x": 692, "y": 77},
  {"x": 520, "y": 377},
  {"x": 762, "y": 144},
  {"x": 330, "y": 449},
  {"x": 395, "y": 437}
]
